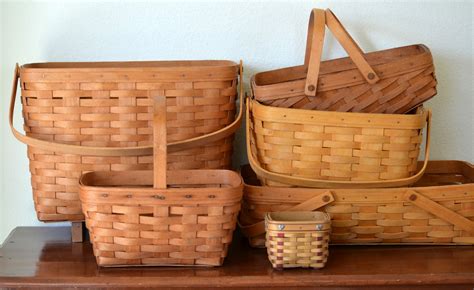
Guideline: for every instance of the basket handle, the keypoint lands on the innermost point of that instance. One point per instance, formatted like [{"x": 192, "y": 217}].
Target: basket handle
[
  {"x": 122, "y": 151},
  {"x": 438, "y": 210},
  {"x": 314, "y": 46},
  {"x": 318, "y": 183},
  {"x": 159, "y": 139},
  {"x": 312, "y": 204}
]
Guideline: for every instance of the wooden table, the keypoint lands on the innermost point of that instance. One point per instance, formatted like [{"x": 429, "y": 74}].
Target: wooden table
[{"x": 45, "y": 257}]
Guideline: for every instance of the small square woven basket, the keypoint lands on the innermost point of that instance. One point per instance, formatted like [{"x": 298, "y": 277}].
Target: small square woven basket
[{"x": 297, "y": 239}]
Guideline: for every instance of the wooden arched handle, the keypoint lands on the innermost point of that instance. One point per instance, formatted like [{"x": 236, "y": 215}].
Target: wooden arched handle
[
  {"x": 314, "y": 203},
  {"x": 316, "y": 38},
  {"x": 122, "y": 151}
]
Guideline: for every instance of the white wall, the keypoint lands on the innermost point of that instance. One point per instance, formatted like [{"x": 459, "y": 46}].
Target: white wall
[{"x": 265, "y": 35}]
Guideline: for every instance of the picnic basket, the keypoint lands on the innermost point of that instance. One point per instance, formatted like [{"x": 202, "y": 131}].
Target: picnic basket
[
  {"x": 297, "y": 239},
  {"x": 439, "y": 209},
  {"x": 308, "y": 148},
  {"x": 160, "y": 217},
  {"x": 81, "y": 117},
  {"x": 388, "y": 81}
]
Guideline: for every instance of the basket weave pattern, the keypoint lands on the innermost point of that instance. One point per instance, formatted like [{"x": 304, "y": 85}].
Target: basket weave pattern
[
  {"x": 145, "y": 227},
  {"x": 438, "y": 210},
  {"x": 111, "y": 109},
  {"x": 297, "y": 248},
  {"x": 334, "y": 146},
  {"x": 388, "y": 81}
]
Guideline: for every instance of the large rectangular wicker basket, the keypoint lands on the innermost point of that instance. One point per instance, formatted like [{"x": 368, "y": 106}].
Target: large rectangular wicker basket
[
  {"x": 295, "y": 147},
  {"x": 81, "y": 117},
  {"x": 439, "y": 209},
  {"x": 181, "y": 217}
]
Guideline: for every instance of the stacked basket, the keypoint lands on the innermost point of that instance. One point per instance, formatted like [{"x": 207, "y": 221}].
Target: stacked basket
[
  {"x": 100, "y": 129},
  {"x": 343, "y": 136},
  {"x": 82, "y": 117}
]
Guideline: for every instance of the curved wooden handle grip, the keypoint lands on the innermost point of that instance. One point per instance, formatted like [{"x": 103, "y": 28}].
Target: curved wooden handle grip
[
  {"x": 314, "y": 46},
  {"x": 122, "y": 151}
]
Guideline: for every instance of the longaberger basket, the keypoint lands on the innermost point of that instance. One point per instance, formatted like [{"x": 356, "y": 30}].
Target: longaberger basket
[
  {"x": 160, "y": 217},
  {"x": 439, "y": 209},
  {"x": 387, "y": 81},
  {"x": 81, "y": 117},
  {"x": 308, "y": 148}
]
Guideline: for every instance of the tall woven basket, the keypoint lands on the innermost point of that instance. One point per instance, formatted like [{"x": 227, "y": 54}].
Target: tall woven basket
[
  {"x": 387, "y": 81},
  {"x": 82, "y": 117},
  {"x": 160, "y": 217},
  {"x": 295, "y": 147}
]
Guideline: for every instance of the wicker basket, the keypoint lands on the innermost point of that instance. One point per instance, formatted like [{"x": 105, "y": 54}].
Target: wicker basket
[
  {"x": 182, "y": 217},
  {"x": 81, "y": 117},
  {"x": 297, "y": 239},
  {"x": 294, "y": 147},
  {"x": 388, "y": 81},
  {"x": 438, "y": 210}
]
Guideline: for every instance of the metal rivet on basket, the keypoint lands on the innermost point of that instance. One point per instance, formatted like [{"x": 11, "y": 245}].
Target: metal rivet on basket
[
  {"x": 188, "y": 196},
  {"x": 319, "y": 227},
  {"x": 212, "y": 196},
  {"x": 159, "y": 197},
  {"x": 413, "y": 197},
  {"x": 105, "y": 195},
  {"x": 326, "y": 198},
  {"x": 281, "y": 227},
  {"x": 311, "y": 88},
  {"x": 371, "y": 76}
]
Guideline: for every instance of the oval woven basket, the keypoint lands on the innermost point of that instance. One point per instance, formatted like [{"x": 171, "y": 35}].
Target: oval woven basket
[
  {"x": 387, "y": 81},
  {"x": 161, "y": 217},
  {"x": 295, "y": 147},
  {"x": 81, "y": 117}
]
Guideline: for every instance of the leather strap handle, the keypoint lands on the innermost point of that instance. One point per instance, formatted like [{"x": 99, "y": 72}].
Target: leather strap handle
[
  {"x": 313, "y": 54},
  {"x": 123, "y": 151},
  {"x": 438, "y": 210},
  {"x": 311, "y": 204},
  {"x": 318, "y": 183}
]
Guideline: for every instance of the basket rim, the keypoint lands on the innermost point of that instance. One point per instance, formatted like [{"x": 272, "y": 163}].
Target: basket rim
[
  {"x": 339, "y": 119},
  {"x": 137, "y": 177},
  {"x": 141, "y": 192},
  {"x": 161, "y": 65},
  {"x": 423, "y": 50},
  {"x": 258, "y": 194},
  {"x": 301, "y": 217}
]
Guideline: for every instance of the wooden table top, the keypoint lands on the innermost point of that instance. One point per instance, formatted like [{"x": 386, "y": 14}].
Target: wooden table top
[{"x": 45, "y": 257}]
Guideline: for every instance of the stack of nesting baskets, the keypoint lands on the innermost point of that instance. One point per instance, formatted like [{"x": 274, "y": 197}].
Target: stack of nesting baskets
[
  {"x": 343, "y": 136},
  {"x": 141, "y": 152},
  {"x": 114, "y": 119}
]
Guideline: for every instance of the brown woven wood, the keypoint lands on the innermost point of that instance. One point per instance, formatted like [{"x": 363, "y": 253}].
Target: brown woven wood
[
  {"x": 130, "y": 223},
  {"x": 95, "y": 105},
  {"x": 439, "y": 209},
  {"x": 334, "y": 149},
  {"x": 160, "y": 217},
  {"x": 297, "y": 239},
  {"x": 387, "y": 81}
]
